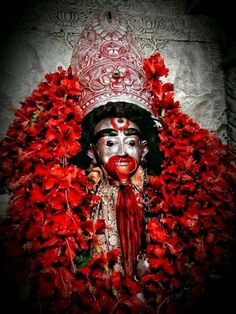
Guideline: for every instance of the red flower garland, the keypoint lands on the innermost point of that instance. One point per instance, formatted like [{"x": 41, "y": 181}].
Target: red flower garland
[{"x": 191, "y": 207}]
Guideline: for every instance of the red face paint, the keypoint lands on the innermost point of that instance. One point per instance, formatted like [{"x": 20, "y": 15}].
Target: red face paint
[
  {"x": 119, "y": 124},
  {"x": 121, "y": 168}
]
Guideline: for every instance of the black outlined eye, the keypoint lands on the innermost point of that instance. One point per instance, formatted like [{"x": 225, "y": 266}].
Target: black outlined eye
[
  {"x": 132, "y": 143},
  {"x": 109, "y": 143}
]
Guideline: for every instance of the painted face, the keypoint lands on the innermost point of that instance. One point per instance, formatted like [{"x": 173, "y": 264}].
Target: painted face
[{"x": 118, "y": 147}]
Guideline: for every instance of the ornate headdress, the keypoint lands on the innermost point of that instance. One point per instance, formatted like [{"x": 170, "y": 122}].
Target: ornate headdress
[{"x": 110, "y": 65}]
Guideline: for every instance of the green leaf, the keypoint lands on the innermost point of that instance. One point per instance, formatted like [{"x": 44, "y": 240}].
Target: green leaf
[{"x": 82, "y": 260}]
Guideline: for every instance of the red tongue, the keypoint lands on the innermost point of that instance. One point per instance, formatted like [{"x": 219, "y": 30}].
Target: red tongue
[
  {"x": 129, "y": 224},
  {"x": 128, "y": 212}
]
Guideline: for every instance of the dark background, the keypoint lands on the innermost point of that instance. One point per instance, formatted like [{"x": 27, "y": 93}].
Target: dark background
[{"x": 225, "y": 14}]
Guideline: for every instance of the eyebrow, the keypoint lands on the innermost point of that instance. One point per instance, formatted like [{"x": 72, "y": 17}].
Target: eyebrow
[
  {"x": 112, "y": 132},
  {"x": 105, "y": 132},
  {"x": 132, "y": 131}
]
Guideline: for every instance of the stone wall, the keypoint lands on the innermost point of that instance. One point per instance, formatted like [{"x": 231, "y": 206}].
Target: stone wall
[{"x": 43, "y": 36}]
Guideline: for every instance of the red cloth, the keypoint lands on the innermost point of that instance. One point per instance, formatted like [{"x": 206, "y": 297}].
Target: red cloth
[{"x": 129, "y": 224}]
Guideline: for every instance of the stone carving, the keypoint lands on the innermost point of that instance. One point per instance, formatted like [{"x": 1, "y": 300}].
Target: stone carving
[
  {"x": 45, "y": 35},
  {"x": 231, "y": 102}
]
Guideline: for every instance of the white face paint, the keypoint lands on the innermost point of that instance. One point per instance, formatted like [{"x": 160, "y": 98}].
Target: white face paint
[{"x": 118, "y": 146}]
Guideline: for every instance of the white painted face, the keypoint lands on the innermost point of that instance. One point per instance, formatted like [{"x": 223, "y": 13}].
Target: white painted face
[{"x": 118, "y": 146}]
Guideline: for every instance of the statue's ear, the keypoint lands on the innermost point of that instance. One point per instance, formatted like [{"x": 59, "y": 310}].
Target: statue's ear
[
  {"x": 145, "y": 149},
  {"x": 90, "y": 152}
]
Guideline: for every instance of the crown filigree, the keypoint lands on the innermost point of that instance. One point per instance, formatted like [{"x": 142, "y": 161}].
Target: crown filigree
[{"x": 109, "y": 64}]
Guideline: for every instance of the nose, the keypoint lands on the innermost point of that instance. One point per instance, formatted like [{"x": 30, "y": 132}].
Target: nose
[{"x": 121, "y": 150}]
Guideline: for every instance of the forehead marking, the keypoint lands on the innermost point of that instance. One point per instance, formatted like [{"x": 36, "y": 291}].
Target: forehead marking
[{"x": 119, "y": 124}]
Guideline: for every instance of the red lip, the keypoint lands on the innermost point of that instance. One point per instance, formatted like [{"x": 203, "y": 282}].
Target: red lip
[{"x": 121, "y": 168}]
